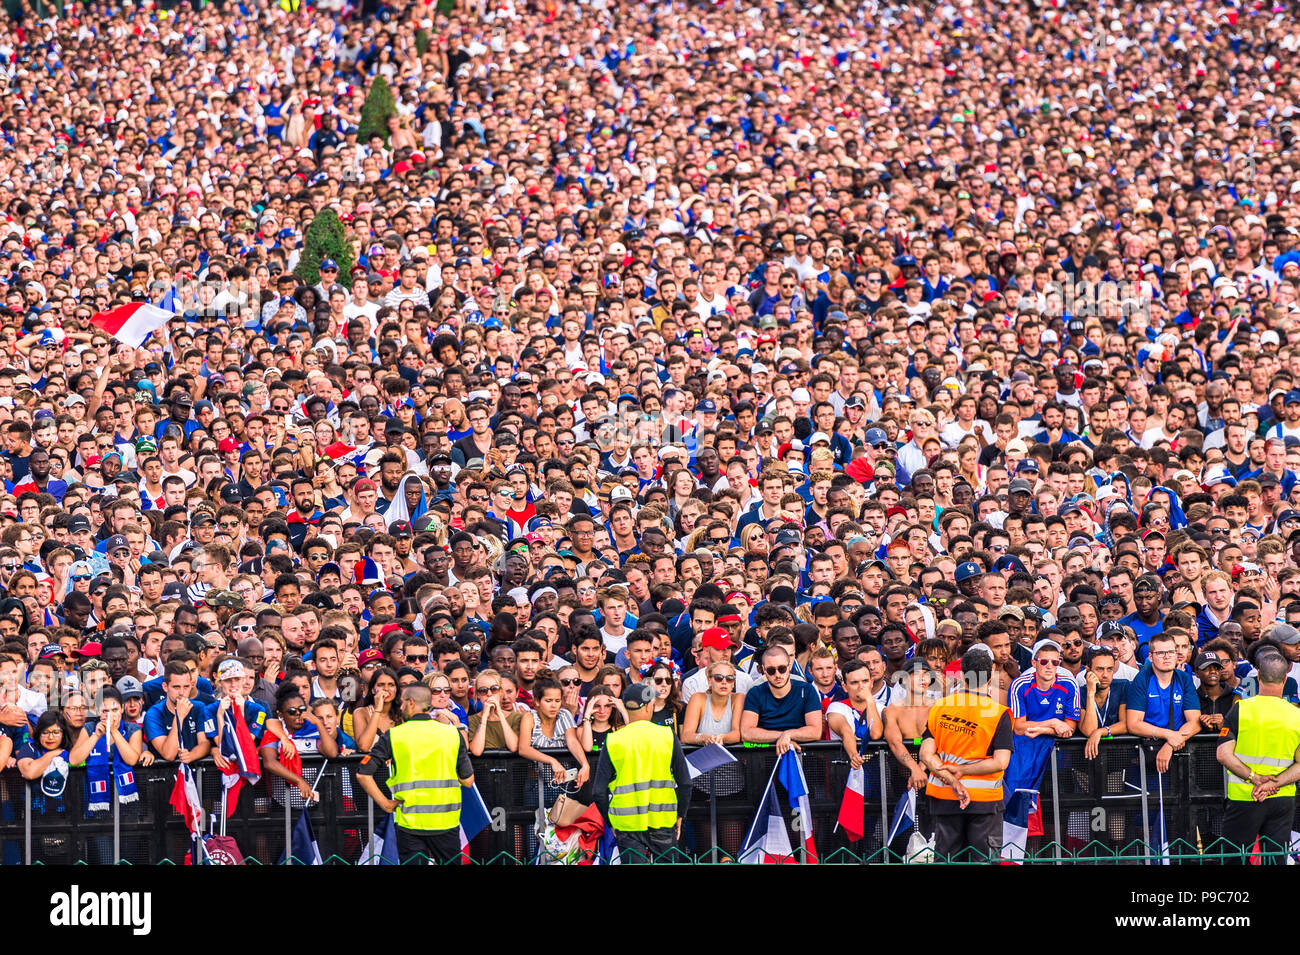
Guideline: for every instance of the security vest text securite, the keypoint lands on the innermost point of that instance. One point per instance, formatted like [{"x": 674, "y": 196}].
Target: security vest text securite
[
  {"x": 424, "y": 782},
  {"x": 963, "y": 724},
  {"x": 643, "y": 795},
  {"x": 1268, "y": 735}
]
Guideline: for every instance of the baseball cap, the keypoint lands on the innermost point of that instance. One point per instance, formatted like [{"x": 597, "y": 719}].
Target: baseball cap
[
  {"x": 371, "y": 655},
  {"x": 1046, "y": 645},
  {"x": 717, "y": 638},
  {"x": 638, "y": 696},
  {"x": 52, "y": 650},
  {"x": 1019, "y": 486},
  {"x": 115, "y": 543},
  {"x": 1285, "y": 633},
  {"x": 91, "y": 649},
  {"x": 130, "y": 687},
  {"x": 1207, "y": 659},
  {"x": 966, "y": 570},
  {"x": 230, "y": 670}
]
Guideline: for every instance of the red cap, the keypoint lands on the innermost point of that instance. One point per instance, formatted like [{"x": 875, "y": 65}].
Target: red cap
[
  {"x": 364, "y": 484},
  {"x": 91, "y": 649},
  {"x": 370, "y": 656},
  {"x": 716, "y": 638},
  {"x": 228, "y": 444}
]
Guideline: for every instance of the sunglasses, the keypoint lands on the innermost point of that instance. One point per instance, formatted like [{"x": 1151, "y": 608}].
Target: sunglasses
[
  {"x": 570, "y": 683},
  {"x": 417, "y": 658},
  {"x": 295, "y": 711},
  {"x": 487, "y": 690},
  {"x": 662, "y": 681},
  {"x": 723, "y": 679},
  {"x": 774, "y": 671},
  {"x": 440, "y": 689}
]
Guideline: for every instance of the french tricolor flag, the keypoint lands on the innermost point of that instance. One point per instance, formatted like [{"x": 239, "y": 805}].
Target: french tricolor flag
[
  {"x": 853, "y": 805},
  {"x": 241, "y": 753},
  {"x": 474, "y": 818},
  {"x": 132, "y": 323},
  {"x": 768, "y": 842},
  {"x": 790, "y": 774},
  {"x": 99, "y": 786}
]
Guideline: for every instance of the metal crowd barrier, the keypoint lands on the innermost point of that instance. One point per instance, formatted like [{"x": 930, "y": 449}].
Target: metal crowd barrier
[{"x": 1112, "y": 809}]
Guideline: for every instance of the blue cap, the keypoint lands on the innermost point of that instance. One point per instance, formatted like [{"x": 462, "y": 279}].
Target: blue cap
[
  {"x": 328, "y": 264},
  {"x": 875, "y": 436},
  {"x": 1009, "y": 562},
  {"x": 706, "y": 406},
  {"x": 1292, "y": 397},
  {"x": 1028, "y": 464},
  {"x": 966, "y": 570},
  {"x": 903, "y": 260}
]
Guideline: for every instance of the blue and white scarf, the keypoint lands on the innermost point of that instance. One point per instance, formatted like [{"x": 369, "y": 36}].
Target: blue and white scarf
[{"x": 102, "y": 765}]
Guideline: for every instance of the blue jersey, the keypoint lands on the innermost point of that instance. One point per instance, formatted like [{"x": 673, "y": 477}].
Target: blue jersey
[
  {"x": 1165, "y": 707},
  {"x": 1060, "y": 701},
  {"x": 158, "y": 722},
  {"x": 255, "y": 716}
]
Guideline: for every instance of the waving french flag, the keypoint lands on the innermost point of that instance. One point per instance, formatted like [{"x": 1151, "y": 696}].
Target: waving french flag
[
  {"x": 132, "y": 323},
  {"x": 240, "y": 751}
]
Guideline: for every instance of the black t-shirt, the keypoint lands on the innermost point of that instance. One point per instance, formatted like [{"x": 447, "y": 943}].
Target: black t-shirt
[{"x": 1003, "y": 738}]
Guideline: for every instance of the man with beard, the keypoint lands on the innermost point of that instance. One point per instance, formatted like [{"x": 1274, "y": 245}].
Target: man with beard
[
  {"x": 39, "y": 477},
  {"x": 304, "y": 514},
  {"x": 392, "y": 465}
]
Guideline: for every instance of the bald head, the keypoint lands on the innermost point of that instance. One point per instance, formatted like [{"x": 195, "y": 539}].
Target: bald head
[
  {"x": 250, "y": 647},
  {"x": 419, "y": 696}
]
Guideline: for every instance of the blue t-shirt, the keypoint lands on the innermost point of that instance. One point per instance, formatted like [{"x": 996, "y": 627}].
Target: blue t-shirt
[
  {"x": 158, "y": 722},
  {"x": 786, "y": 713},
  {"x": 1165, "y": 707},
  {"x": 1144, "y": 631},
  {"x": 1108, "y": 712},
  {"x": 153, "y": 690}
]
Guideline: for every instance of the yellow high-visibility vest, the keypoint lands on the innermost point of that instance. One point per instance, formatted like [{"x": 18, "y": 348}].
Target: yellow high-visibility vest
[
  {"x": 644, "y": 795},
  {"x": 1268, "y": 735},
  {"x": 424, "y": 781}
]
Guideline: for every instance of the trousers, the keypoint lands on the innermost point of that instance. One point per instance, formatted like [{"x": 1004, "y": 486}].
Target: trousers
[
  {"x": 419, "y": 847},
  {"x": 1269, "y": 820},
  {"x": 651, "y": 845},
  {"x": 968, "y": 836}
]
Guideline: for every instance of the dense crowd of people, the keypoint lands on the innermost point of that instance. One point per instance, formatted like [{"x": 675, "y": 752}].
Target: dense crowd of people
[{"x": 775, "y": 356}]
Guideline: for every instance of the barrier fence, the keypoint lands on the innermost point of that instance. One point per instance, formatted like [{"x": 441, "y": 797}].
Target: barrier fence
[{"x": 1110, "y": 809}]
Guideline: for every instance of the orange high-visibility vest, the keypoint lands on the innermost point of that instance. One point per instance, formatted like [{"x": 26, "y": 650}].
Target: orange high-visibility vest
[{"x": 963, "y": 725}]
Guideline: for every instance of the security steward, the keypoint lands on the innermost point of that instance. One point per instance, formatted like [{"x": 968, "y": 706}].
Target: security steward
[
  {"x": 430, "y": 764},
  {"x": 1259, "y": 749},
  {"x": 639, "y": 769},
  {"x": 966, "y": 748}
]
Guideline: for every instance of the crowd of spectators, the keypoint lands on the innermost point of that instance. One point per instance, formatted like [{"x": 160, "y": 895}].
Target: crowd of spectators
[{"x": 771, "y": 354}]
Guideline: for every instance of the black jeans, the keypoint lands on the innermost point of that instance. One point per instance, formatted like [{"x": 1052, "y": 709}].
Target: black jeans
[
  {"x": 1270, "y": 820},
  {"x": 968, "y": 836},
  {"x": 652, "y": 845},
  {"x": 419, "y": 846}
]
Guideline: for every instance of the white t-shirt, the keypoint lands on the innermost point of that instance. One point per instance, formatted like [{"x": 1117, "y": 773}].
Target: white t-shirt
[
  {"x": 614, "y": 644},
  {"x": 845, "y": 709}
]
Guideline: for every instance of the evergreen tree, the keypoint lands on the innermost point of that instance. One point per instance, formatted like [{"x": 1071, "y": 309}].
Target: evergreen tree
[
  {"x": 376, "y": 110},
  {"x": 326, "y": 239}
]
